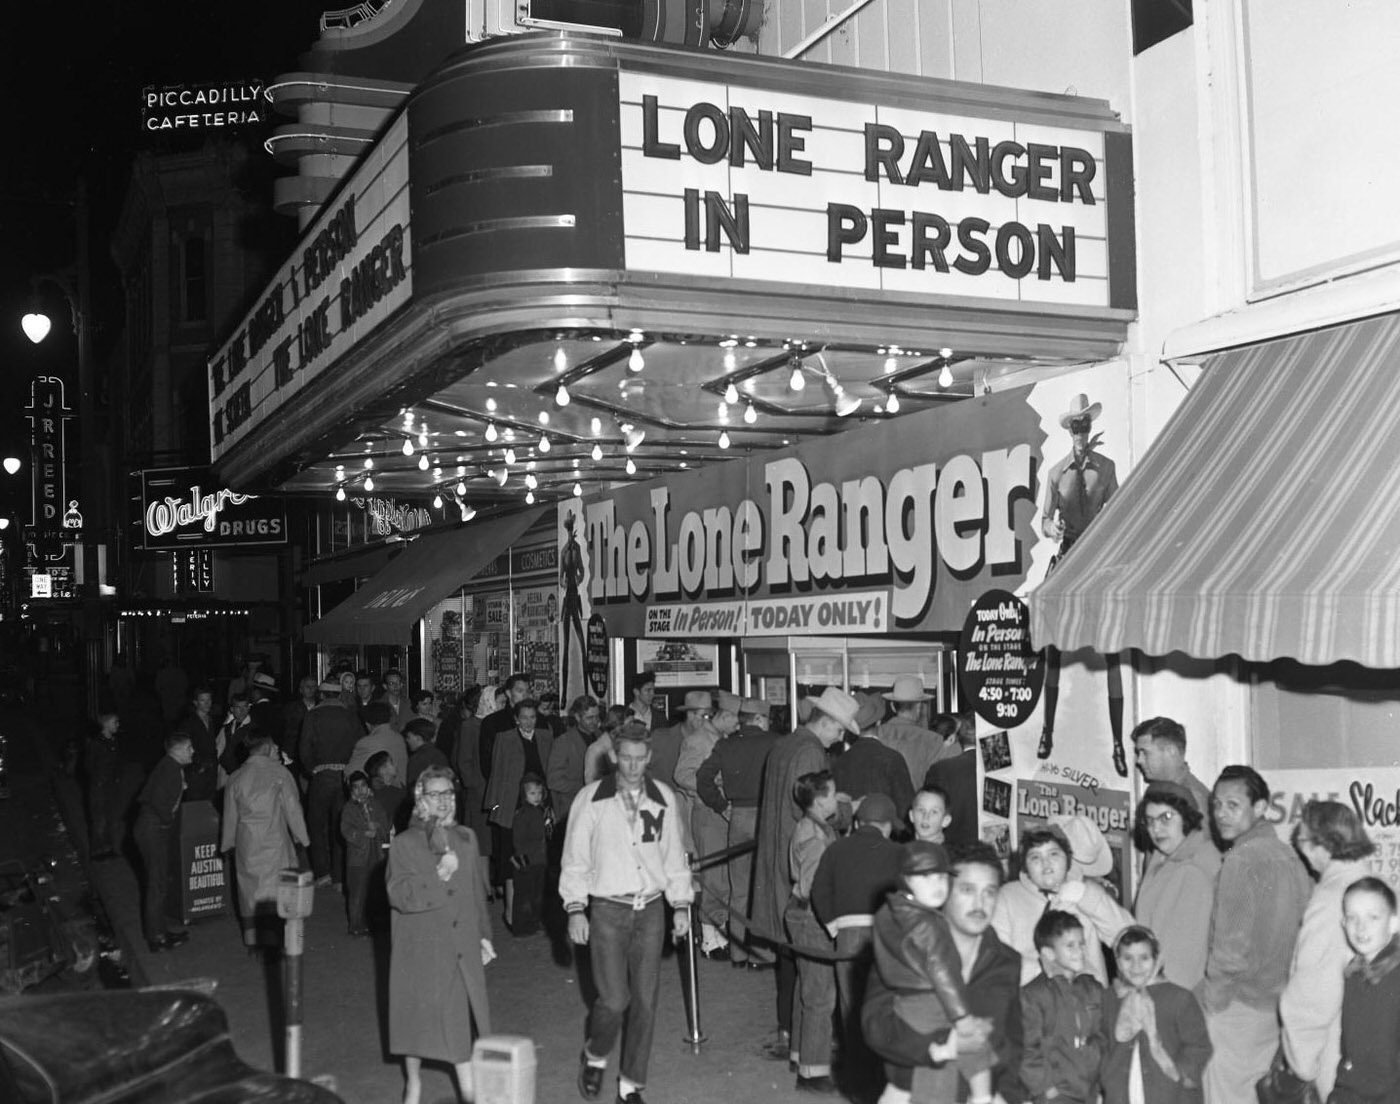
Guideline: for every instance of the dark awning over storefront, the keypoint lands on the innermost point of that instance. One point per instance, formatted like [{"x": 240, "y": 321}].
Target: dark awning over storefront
[
  {"x": 1264, "y": 522},
  {"x": 386, "y": 608},
  {"x": 351, "y": 565}
]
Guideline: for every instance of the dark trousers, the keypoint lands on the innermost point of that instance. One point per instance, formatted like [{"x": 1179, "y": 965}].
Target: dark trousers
[
  {"x": 357, "y": 879},
  {"x": 625, "y": 948},
  {"x": 153, "y": 840},
  {"x": 103, "y": 828},
  {"x": 860, "y": 1066},
  {"x": 527, "y": 902},
  {"x": 324, "y": 800}
]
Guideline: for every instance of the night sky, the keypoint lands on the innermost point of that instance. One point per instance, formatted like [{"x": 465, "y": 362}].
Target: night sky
[{"x": 73, "y": 75}]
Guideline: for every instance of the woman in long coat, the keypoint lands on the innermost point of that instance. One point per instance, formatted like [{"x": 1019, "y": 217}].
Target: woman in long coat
[
  {"x": 1177, "y": 894},
  {"x": 262, "y": 822},
  {"x": 441, "y": 938}
]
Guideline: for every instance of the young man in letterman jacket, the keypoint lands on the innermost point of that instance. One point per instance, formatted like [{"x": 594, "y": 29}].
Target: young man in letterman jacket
[{"x": 623, "y": 852}]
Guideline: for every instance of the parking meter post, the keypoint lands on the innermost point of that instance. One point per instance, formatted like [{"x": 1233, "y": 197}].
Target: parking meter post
[
  {"x": 293, "y": 942},
  {"x": 295, "y": 894}
]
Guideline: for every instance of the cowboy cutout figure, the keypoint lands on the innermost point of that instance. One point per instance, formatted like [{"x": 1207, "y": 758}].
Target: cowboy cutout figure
[{"x": 1076, "y": 489}]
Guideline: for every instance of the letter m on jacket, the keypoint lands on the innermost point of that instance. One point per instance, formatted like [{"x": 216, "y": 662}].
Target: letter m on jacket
[{"x": 651, "y": 825}]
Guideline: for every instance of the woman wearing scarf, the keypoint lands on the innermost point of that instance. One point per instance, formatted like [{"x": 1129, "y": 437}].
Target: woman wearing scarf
[
  {"x": 441, "y": 938},
  {"x": 1158, "y": 1046}
]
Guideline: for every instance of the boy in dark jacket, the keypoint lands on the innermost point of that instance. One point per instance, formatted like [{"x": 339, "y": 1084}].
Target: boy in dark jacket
[
  {"x": 1062, "y": 1010},
  {"x": 365, "y": 828},
  {"x": 916, "y": 960}
]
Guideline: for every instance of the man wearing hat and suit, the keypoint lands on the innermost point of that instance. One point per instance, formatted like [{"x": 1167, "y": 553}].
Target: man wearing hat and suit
[
  {"x": 265, "y": 712},
  {"x": 1076, "y": 489},
  {"x": 801, "y": 752},
  {"x": 867, "y": 766},
  {"x": 708, "y": 829},
  {"x": 328, "y": 739},
  {"x": 729, "y": 782},
  {"x": 907, "y": 732}
]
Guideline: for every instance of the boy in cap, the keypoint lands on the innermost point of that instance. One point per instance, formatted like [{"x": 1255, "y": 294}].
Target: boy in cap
[
  {"x": 854, "y": 876},
  {"x": 918, "y": 962}
]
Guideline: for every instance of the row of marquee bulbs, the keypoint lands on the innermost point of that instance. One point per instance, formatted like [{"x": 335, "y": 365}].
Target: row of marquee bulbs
[{"x": 843, "y": 404}]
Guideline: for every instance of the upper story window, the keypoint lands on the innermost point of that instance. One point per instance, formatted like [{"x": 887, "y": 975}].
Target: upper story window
[
  {"x": 1155, "y": 20},
  {"x": 194, "y": 280}
]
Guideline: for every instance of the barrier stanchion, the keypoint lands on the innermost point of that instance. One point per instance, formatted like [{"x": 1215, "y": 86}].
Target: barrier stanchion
[{"x": 690, "y": 977}]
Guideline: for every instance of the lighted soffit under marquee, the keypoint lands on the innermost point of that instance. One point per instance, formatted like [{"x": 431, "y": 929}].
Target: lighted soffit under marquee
[{"x": 678, "y": 400}]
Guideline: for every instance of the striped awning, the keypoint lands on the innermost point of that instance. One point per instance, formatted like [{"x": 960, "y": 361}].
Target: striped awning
[{"x": 1263, "y": 522}]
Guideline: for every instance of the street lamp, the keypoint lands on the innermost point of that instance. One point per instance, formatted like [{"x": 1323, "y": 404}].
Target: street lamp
[
  {"x": 36, "y": 326},
  {"x": 12, "y": 465}
]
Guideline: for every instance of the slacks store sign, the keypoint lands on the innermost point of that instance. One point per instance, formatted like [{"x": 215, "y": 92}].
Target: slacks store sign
[{"x": 896, "y": 530}]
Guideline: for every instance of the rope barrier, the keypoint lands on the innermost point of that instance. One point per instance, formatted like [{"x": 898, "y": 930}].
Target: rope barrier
[{"x": 776, "y": 941}]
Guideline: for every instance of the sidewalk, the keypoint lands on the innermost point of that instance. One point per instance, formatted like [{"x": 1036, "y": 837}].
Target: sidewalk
[{"x": 345, "y": 994}]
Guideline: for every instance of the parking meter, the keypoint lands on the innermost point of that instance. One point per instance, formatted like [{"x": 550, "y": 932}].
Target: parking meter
[{"x": 296, "y": 892}]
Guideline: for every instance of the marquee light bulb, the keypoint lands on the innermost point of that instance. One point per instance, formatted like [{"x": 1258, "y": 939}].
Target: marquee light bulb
[
  {"x": 731, "y": 394},
  {"x": 491, "y": 433},
  {"x": 578, "y": 490},
  {"x": 945, "y": 353},
  {"x": 423, "y": 436},
  {"x": 750, "y": 414},
  {"x": 369, "y": 482},
  {"x": 423, "y": 462},
  {"x": 797, "y": 381},
  {"x": 561, "y": 359},
  {"x": 407, "y": 447},
  {"x": 561, "y": 397},
  {"x": 510, "y": 456},
  {"x": 891, "y": 364},
  {"x": 531, "y": 481},
  {"x": 631, "y": 466},
  {"x": 893, "y": 404},
  {"x": 369, "y": 462},
  {"x": 729, "y": 360},
  {"x": 340, "y": 494},
  {"x": 635, "y": 362},
  {"x": 544, "y": 444},
  {"x": 437, "y": 502},
  {"x": 597, "y": 452},
  {"x": 945, "y": 377},
  {"x": 723, "y": 411},
  {"x": 544, "y": 417},
  {"x": 461, "y": 489},
  {"x": 596, "y": 426},
  {"x": 529, "y": 498},
  {"x": 491, "y": 403},
  {"x": 724, "y": 438}
]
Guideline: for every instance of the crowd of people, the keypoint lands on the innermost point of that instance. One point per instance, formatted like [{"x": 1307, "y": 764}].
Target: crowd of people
[{"x": 843, "y": 857}]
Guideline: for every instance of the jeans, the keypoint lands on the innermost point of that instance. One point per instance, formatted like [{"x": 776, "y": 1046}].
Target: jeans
[
  {"x": 153, "y": 840},
  {"x": 357, "y": 879},
  {"x": 816, "y": 993},
  {"x": 625, "y": 948},
  {"x": 324, "y": 800}
]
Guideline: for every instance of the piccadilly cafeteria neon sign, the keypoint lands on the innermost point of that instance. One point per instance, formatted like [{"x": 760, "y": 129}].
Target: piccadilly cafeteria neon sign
[{"x": 163, "y": 518}]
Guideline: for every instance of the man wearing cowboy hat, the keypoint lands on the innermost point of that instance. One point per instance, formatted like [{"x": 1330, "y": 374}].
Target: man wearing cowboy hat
[
  {"x": 801, "y": 752},
  {"x": 907, "y": 732},
  {"x": 1076, "y": 489},
  {"x": 703, "y": 728},
  {"x": 1080, "y": 485}
]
